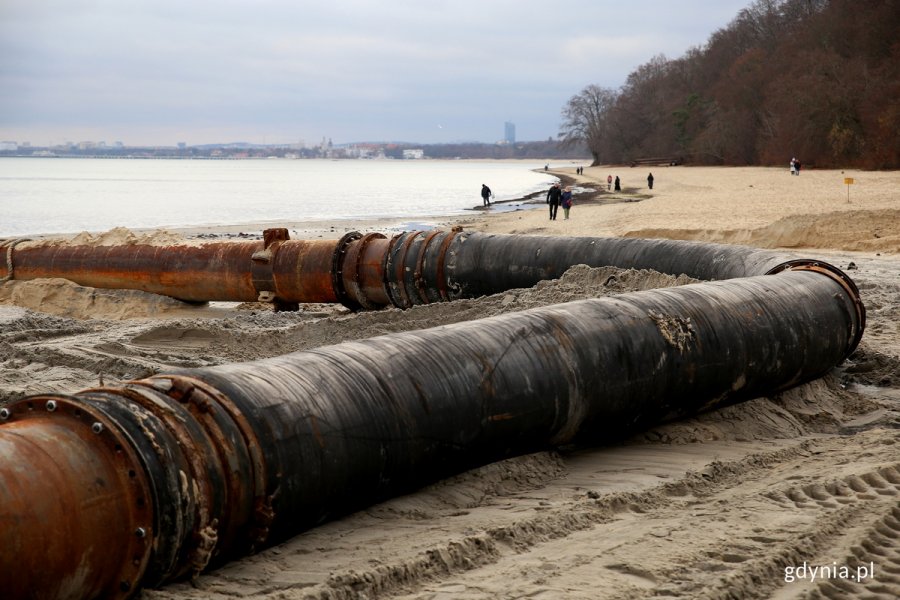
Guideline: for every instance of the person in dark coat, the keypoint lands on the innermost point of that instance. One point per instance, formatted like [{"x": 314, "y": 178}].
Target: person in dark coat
[
  {"x": 650, "y": 181},
  {"x": 486, "y": 194},
  {"x": 618, "y": 185},
  {"x": 553, "y": 196}
]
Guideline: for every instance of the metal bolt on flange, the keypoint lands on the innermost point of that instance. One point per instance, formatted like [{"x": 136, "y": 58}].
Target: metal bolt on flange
[
  {"x": 97, "y": 427},
  {"x": 5, "y": 414},
  {"x": 51, "y": 405},
  {"x": 140, "y": 532}
]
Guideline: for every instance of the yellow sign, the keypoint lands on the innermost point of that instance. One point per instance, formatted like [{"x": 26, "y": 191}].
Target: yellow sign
[{"x": 848, "y": 180}]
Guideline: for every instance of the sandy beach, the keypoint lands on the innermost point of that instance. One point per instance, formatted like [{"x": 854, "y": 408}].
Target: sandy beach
[{"x": 721, "y": 505}]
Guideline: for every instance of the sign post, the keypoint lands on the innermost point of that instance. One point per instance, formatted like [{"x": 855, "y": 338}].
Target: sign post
[{"x": 849, "y": 182}]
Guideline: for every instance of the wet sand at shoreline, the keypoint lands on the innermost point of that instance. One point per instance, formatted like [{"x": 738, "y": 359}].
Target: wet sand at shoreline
[{"x": 714, "y": 506}]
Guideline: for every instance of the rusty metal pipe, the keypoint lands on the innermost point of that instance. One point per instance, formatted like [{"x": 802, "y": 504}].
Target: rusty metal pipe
[
  {"x": 198, "y": 466},
  {"x": 275, "y": 269},
  {"x": 75, "y": 519}
]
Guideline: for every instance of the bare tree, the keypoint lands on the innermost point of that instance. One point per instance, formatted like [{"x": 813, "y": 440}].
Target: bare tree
[{"x": 584, "y": 116}]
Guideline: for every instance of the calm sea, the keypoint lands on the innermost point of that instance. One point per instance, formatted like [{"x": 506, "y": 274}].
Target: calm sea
[{"x": 60, "y": 195}]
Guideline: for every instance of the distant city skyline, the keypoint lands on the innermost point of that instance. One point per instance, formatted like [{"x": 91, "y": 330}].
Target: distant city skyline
[
  {"x": 509, "y": 133},
  {"x": 161, "y": 72}
]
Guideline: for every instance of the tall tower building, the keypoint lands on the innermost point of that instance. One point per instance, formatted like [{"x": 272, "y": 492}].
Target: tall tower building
[{"x": 509, "y": 133}]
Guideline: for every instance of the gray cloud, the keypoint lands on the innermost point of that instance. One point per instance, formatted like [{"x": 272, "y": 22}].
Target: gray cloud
[{"x": 162, "y": 71}]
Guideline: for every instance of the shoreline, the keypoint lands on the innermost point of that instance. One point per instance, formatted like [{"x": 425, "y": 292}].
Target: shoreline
[
  {"x": 593, "y": 202},
  {"x": 297, "y": 196},
  {"x": 320, "y": 228},
  {"x": 756, "y": 206}
]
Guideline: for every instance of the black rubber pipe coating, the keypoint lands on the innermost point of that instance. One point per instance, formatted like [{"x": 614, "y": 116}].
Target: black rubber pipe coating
[
  {"x": 478, "y": 264},
  {"x": 347, "y": 425}
]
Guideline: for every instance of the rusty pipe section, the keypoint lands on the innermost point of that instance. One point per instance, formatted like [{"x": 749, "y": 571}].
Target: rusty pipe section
[
  {"x": 275, "y": 269},
  {"x": 114, "y": 489},
  {"x": 371, "y": 271},
  {"x": 138, "y": 484}
]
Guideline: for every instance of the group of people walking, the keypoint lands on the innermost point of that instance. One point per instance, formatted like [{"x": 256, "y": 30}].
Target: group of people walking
[
  {"x": 558, "y": 196},
  {"x": 795, "y": 166}
]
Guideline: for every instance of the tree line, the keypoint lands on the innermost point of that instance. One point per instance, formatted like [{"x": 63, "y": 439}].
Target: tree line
[{"x": 815, "y": 79}]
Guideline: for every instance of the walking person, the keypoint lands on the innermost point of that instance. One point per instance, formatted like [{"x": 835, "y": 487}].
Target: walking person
[
  {"x": 650, "y": 181},
  {"x": 793, "y": 166},
  {"x": 566, "y": 200},
  {"x": 553, "y": 196},
  {"x": 618, "y": 184},
  {"x": 608, "y": 182},
  {"x": 486, "y": 194}
]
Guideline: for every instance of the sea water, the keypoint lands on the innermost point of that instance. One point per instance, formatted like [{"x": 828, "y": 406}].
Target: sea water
[{"x": 70, "y": 195}]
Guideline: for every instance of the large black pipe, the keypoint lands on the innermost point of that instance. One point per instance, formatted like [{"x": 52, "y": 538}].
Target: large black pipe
[
  {"x": 349, "y": 424},
  {"x": 421, "y": 267},
  {"x": 265, "y": 449}
]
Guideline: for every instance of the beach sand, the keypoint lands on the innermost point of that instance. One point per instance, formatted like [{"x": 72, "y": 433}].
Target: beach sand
[{"x": 716, "y": 506}]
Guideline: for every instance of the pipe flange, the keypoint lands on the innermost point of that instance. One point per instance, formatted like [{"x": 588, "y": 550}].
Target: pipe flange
[
  {"x": 418, "y": 274},
  {"x": 395, "y": 267},
  {"x": 831, "y": 271},
  {"x": 263, "y": 513},
  {"x": 175, "y": 445},
  {"x": 262, "y": 261},
  {"x": 337, "y": 275},
  {"x": 441, "y": 263},
  {"x": 204, "y": 468},
  {"x": 98, "y": 430}
]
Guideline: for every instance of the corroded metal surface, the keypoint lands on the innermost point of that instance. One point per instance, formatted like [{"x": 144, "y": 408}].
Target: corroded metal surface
[{"x": 76, "y": 517}]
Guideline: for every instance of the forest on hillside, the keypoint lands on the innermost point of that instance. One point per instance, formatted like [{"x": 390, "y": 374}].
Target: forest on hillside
[{"x": 814, "y": 79}]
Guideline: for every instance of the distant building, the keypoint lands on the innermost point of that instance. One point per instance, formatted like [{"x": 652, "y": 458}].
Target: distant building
[
  {"x": 363, "y": 151},
  {"x": 9, "y": 146},
  {"x": 509, "y": 133},
  {"x": 413, "y": 153}
]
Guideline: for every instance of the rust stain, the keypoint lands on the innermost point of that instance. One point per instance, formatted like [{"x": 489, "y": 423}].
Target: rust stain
[{"x": 314, "y": 425}]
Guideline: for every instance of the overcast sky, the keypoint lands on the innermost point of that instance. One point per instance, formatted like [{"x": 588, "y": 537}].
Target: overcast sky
[{"x": 285, "y": 71}]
